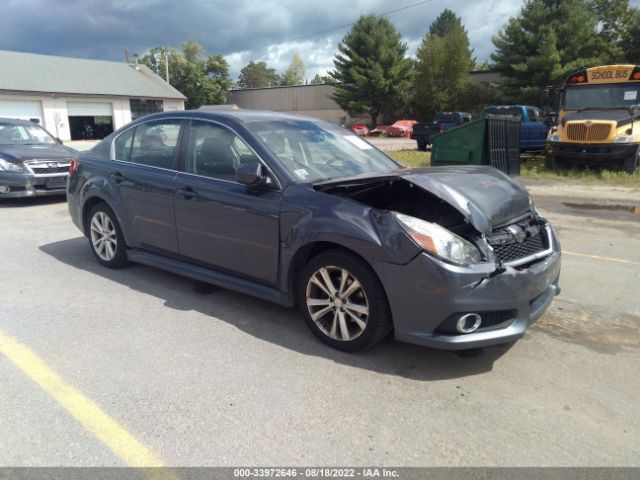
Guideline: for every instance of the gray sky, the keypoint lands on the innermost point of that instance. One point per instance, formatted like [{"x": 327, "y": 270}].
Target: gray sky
[{"x": 242, "y": 30}]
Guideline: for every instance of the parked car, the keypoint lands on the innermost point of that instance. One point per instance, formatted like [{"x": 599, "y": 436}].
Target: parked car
[
  {"x": 295, "y": 210},
  {"x": 379, "y": 130},
  {"x": 443, "y": 121},
  {"x": 359, "y": 129},
  {"x": 533, "y": 125},
  {"x": 32, "y": 161},
  {"x": 401, "y": 128}
]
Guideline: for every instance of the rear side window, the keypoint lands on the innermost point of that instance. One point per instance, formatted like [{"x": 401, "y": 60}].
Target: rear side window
[{"x": 154, "y": 144}]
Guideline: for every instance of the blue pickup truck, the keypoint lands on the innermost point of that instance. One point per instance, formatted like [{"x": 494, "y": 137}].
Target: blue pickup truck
[{"x": 533, "y": 129}]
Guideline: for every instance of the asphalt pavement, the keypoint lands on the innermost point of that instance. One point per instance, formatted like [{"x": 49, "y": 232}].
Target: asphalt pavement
[{"x": 137, "y": 366}]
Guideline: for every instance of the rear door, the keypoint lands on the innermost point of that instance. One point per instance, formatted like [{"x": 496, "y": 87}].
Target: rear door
[
  {"x": 220, "y": 222},
  {"x": 144, "y": 173},
  {"x": 539, "y": 128}
]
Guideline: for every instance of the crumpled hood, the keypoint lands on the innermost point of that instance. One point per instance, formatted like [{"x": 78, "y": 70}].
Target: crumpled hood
[
  {"x": 485, "y": 196},
  {"x": 20, "y": 153}
]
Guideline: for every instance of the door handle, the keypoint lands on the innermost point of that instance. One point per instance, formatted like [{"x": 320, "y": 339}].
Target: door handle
[
  {"x": 116, "y": 177},
  {"x": 187, "y": 193}
]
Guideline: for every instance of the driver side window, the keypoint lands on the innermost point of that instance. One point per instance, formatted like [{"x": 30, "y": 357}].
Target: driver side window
[{"x": 215, "y": 151}]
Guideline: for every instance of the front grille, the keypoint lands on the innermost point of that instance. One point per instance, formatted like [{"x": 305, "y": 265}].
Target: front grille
[
  {"x": 518, "y": 241},
  {"x": 515, "y": 251},
  {"x": 596, "y": 132},
  {"x": 47, "y": 167},
  {"x": 49, "y": 170}
]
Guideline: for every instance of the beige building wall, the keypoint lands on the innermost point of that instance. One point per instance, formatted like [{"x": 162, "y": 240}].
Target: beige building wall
[
  {"x": 309, "y": 100},
  {"x": 55, "y": 117}
]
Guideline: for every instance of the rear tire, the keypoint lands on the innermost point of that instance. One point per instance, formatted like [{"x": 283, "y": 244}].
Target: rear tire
[
  {"x": 343, "y": 301},
  {"x": 105, "y": 237}
]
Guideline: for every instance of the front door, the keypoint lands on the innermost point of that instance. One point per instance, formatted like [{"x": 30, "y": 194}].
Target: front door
[
  {"x": 145, "y": 177},
  {"x": 220, "y": 222}
]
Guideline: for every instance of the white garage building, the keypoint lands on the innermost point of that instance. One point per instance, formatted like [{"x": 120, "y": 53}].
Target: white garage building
[{"x": 78, "y": 99}]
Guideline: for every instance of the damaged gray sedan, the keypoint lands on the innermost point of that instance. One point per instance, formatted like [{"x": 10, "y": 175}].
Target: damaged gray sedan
[{"x": 299, "y": 212}]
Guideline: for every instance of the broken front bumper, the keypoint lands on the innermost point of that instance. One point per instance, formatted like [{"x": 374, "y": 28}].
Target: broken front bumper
[{"x": 427, "y": 295}]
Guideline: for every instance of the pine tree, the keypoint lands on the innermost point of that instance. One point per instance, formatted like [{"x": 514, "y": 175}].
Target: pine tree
[
  {"x": 372, "y": 72},
  {"x": 546, "y": 41}
]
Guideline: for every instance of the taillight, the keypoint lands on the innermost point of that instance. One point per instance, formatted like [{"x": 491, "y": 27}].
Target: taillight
[{"x": 73, "y": 166}]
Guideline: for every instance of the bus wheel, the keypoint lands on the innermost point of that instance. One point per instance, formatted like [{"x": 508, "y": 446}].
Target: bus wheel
[
  {"x": 550, "y": 162},
  {"x": 631, "y": 164}
]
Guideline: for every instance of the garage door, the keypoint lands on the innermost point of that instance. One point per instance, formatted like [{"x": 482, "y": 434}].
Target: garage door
[
  {"x": 23, "y": 109},
  {"x": 89, "y": 109}
]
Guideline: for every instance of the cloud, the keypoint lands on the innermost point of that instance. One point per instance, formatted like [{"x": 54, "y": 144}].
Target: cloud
[{"x": 242, "y": 30}]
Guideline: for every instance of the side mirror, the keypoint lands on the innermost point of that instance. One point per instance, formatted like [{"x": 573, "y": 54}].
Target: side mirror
[
  {"x": 634, "y": 109},
  {"x": 250, "y": 174},
  {"x": 545, "y": 97}
]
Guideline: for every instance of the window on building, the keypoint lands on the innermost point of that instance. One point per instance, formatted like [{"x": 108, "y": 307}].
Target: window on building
[{"x": 141, "y": 107}]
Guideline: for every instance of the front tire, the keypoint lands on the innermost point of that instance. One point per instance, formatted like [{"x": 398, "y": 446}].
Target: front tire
[
  {"x": 105, "y": 237},
  {"x": 631, "y": 164},
  {"x": 343, "y": 301}
]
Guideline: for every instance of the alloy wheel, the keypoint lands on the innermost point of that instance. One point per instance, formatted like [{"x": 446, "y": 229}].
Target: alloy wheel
[
  {"x": 337, "y": 303},
  {"x": 103, "y": 236}
]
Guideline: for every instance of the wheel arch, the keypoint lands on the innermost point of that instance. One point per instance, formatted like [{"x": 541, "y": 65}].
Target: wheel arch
[{"x": 311, "y": 250}]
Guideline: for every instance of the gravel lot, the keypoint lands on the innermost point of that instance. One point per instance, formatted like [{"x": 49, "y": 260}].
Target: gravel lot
[{"x": 205, "y": 376}]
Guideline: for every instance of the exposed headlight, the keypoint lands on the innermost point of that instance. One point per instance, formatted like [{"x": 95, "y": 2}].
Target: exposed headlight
[
  {"x": 439, "y": 241},
  {"x": 626, "y": 139},
  {"x": 554, "y": 137},
  {"x": 9, "y": 167}
]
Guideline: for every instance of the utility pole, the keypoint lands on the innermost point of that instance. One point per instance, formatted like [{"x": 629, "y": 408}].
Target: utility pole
[
  {"x": 166, "y": 65},
  {"x": 126, "y": 55}
]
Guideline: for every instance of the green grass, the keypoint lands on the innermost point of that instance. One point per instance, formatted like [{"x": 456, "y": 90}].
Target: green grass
[
  {"x": 533, "y": 167},
  {"x": 411, "y": 158}
]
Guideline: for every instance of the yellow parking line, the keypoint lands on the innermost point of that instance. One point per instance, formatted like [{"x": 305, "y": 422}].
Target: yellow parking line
[
  {"x": 84, "y": 410},
  {"x": 598, "y": 257}
]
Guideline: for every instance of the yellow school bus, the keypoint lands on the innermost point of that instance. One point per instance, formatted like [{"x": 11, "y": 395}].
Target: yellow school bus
[{"x": 598, "y": 118}]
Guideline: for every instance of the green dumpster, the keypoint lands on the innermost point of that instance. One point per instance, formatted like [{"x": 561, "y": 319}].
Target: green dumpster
[
  {"x": 491, "y": 140},
  {"x": 461, "y": 145}
]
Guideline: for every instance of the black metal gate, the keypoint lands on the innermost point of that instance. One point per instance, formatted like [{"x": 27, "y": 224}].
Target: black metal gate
[{"x": 503, "y": 143}]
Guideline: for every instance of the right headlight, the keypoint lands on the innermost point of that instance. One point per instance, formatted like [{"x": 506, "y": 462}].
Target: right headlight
[
  {"x": 439, "y": 241},
  {"x": 554, "y": 137},
  {"x": 626, "y": 139},
  {"x": 6, "y": 166}
]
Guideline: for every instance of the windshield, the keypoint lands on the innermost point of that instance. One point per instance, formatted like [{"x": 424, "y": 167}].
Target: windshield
[
  {"x": 508, "y": 111},
  {"x": 447, "y": 118},
  {"x": 314, "y": 151},
  {"x": 11, "y": 134},
  {"x": 585, "y": 97}
]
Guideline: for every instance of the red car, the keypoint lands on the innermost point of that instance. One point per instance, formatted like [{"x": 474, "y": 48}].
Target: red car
[
  {"x": 359, "y": 129},
  {"x": 402, "y": 128},
  {"x": 379, "y": 130}
]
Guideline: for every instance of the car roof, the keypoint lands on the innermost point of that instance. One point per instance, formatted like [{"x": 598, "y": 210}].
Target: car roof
[
  {"x": 17, "y": 121},
  {"x": 240, "y": 115}
]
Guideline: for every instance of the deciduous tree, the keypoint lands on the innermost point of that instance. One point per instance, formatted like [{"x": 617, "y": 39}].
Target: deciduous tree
[
  {"x": 203, "y": 80},
  {"x": 294, "y": 75},
  {"x": 444, "y": 60},
  {"x": 258, "y": 75}
]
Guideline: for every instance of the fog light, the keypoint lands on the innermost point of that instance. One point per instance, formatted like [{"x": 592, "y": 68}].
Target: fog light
[
  {"x": 4, "y": 189},
  {"x": 468, "y": 323}
]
